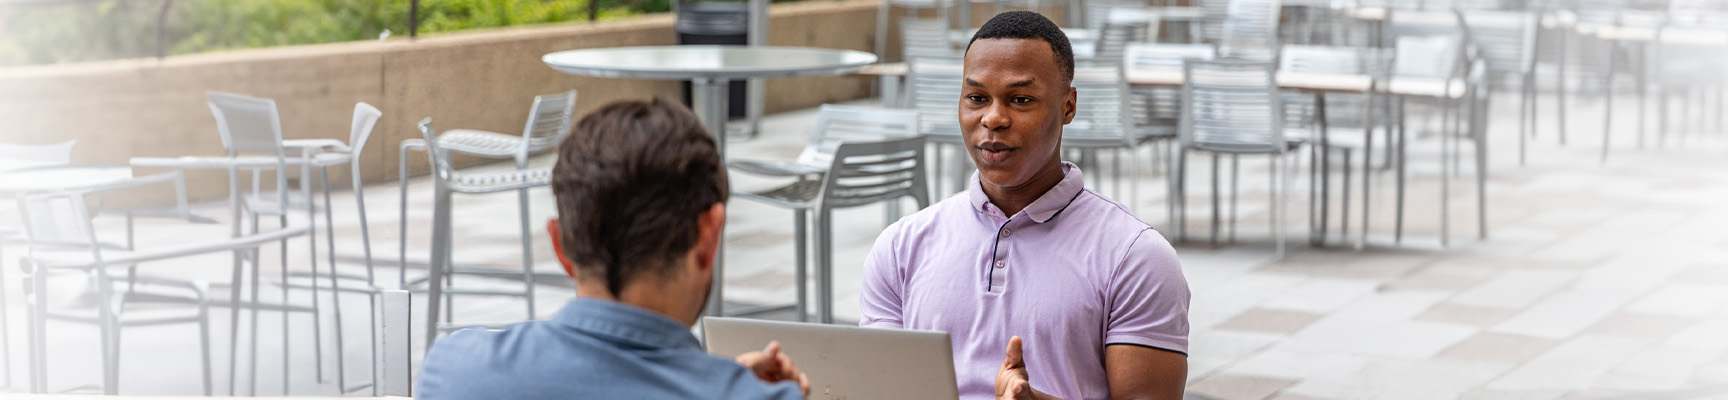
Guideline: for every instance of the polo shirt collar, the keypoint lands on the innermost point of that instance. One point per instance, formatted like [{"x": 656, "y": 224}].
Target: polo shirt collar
[
  {"x": 626, "y": 323},
  {"x": 1047, "y": 206}
]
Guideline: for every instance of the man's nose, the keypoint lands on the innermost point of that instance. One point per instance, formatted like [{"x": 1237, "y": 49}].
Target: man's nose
[{"x": 996, "y": 117}]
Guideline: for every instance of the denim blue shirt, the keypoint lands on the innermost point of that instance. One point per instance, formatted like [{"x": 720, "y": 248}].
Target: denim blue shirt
[{"x": 593, "y": 349}]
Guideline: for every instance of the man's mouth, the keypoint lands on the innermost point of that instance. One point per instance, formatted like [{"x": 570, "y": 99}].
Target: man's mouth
[{"x": 994, "y": 153}]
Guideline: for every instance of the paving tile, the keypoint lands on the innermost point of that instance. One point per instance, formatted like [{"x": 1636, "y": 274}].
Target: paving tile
[
  {"x": 1297, "y": 365},
  {"x": 1465, "y": 314},
  {"x": 1239, "y": 387},
  {"x": 1320, "y": 295},
  {"x": 1490, "y": 394},
  {"x": 1636, "y": 324},
  {"x": 1572, "y": 365},
  {"x": 1563, "y": 315},
  {"x": 1684, "y": 299},
  {"x": 1211, "y": 349},
  {"x": 1270, "y": 320},
  {"x": 1514, "y": 289},
  {"x": 1489, "y": 346},
  {"x": 1447, "y": 278},
  {"x": 1655, "y": 370}
]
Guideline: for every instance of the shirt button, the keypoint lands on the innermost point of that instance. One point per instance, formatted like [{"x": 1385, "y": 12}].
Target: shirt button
[
  {"x": 1005, "y": 232},
  {"x": 1000, "y": 265}
]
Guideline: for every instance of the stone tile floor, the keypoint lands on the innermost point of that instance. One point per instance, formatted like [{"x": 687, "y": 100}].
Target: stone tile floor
[{"x": 1594, "y": 280}]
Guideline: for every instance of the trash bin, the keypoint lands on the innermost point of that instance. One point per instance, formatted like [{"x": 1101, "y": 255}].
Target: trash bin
[{"x": 710, "y": 23}]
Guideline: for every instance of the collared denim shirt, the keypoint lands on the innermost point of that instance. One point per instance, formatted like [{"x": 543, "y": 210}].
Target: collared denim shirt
[{"x": 592, "y": 349}]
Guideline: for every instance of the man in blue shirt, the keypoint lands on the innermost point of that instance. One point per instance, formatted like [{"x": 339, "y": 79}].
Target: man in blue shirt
[{"x": 641, "y": 200}]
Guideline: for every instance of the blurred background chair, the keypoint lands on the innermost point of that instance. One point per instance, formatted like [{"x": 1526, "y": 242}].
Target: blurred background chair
[
  {"x": 1233, "y": 108},
  {"x": 251, "y": 129},
  {"x": 549, "y": 122},
  {"x": 62, "y": 238},
  {"x": 835, "y": 125},
  {"x": 1156, "y": 111},
  {"x": 448, "y": 181},
  {"x": 862, "y": 173},
  {"x": 913, "y": 10},
  {"x": 933, "y": 89}
]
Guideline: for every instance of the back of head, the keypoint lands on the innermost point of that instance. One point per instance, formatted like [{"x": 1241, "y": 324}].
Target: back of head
[
  {"x": 1034, "y": 26},
  {"x": 631, "y": 181}
]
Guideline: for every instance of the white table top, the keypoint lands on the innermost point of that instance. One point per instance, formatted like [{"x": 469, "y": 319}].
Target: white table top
[
  {"x": 64, "y": 178},
  {"x": 715, "y": 62}
]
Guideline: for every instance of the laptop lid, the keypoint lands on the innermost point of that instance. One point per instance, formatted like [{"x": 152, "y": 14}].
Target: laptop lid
[{"x": 847, "y": 361}]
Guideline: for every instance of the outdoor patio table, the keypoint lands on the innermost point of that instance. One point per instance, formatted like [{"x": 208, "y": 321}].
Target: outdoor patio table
[{"x": 710, "y": 69}]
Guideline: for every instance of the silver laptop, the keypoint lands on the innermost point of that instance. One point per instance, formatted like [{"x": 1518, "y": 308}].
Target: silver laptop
[{"x": 847, "y": 361}]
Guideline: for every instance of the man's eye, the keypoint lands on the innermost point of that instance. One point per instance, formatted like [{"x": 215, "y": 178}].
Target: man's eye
[
  {"x": 1022, "y": 100},
  {"x": 975, "y": 98}
]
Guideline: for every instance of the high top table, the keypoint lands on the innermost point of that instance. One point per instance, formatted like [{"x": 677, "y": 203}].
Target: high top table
[{"x": 710, "y": 69}]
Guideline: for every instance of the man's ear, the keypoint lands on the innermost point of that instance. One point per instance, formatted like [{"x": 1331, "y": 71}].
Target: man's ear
[
  {"x": 1069, "y": 105},
  {"x": 710, "y": 226},
  {"x": 557, "y": 239}
]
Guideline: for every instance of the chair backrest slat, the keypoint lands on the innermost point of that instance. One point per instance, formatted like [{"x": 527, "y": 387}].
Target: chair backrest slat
[
  {"x": 57, "y": 220},
  {"x": 868, "y": 172},
  {"x": 365, "y": 118},
  {"x": 934, "y": 86},
  {"x": 248, "y": 125},
  {"x": 550, "y": 119},
  {"x": 836, "y": 124},
  {"x": 1232, "y": 104}
]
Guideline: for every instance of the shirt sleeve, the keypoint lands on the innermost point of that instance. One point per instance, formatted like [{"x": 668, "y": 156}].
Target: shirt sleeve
[
  {"x": 880, "y": 300},
  {"x": 1149, "y": 297}
]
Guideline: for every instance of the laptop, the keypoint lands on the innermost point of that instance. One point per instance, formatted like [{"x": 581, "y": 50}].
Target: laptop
[{"x": 847, "y": 362}]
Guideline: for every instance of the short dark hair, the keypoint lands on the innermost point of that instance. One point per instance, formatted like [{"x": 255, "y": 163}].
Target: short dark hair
[
  {"x": 1030, "y": 25},
  {"x": 631, "y": 181}
]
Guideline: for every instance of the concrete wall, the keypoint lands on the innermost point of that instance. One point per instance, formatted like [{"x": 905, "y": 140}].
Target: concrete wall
[{"x": 473, "y": 79}]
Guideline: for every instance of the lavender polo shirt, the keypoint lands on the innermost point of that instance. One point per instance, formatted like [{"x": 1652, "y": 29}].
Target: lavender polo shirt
[{"x": 1070, "y": 274}]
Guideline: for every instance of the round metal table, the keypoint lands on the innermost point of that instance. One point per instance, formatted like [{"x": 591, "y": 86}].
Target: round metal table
[{"x": 710, "y": 69}]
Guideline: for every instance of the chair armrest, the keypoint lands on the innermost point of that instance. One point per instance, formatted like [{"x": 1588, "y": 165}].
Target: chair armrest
[{"x": 774, "y": 168}]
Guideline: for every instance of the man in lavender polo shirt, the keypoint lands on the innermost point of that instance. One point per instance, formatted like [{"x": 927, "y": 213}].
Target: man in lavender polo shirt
[{"x": 1088, "y": 301}]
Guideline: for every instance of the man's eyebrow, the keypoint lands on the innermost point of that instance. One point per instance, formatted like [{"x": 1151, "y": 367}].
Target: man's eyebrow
[{"x": 1015, "y": 84}]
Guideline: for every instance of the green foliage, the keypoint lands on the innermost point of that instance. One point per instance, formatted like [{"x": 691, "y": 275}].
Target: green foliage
[{"x": 108, "y": 29}]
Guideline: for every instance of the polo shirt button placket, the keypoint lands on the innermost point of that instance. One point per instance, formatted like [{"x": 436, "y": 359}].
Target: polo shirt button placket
[
  {"x": 1005, "y": 232},
  {"x": 1001, "y": 265}
]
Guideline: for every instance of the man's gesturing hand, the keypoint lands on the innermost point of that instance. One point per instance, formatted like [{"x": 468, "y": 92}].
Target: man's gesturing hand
[
  {"x": 770, "y": 365},
  {"x": 1011, "y": 379}
]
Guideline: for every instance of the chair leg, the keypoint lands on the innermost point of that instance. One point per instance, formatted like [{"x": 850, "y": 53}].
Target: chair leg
[
  {"x": 402, "y": 207},
  {"x": 527, "y": 252},
  {"x": 1216, "y": 224},
  {"x": 312, "y": 258},
  {"x": 5, "y": 330},
  {"x": 800, "y": 261},
  {"x": 1398, "y": 218},
  {"x": 39, "y": 332},
  {"x": 1281, "y": 190},
  {"x": 1344, "y": 198},
  {"x": 252, "y": 384},
  {"x": 1565, "y": 42},
  {"x": 286, "y": 342},
  {"x": 335, "y": 287},
  {"x": 1235, "y": 182},
  {"x": 203, "y": 289},
  {"x": 1608, "y": 104},
  {"x": 825, "y": 272},
  {"x": 440, "y": 263}
]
